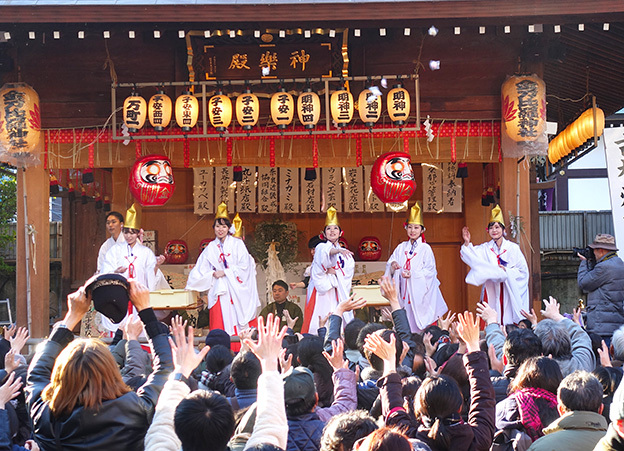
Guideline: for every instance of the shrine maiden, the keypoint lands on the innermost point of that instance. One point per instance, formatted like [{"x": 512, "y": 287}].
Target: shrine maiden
[
  {"x": 412, "y": 266},
  {"x": 500, "y": 267},
  {"x": 227, "y": 271},
  {"x": 330, "y": 276},
  {"x": 114, "y": 226}
]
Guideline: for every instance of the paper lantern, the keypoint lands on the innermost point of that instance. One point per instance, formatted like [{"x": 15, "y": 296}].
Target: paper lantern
[
  {"x": 20, "y": 125},
  {"x": 159, "y": 110},
  {"x": 204, "y": 243},
  {"x": 247, "y": 109},
  {"x": 309, "y": 108},
  {"x": 220, "y": 111},
  {"x": 392, "y": 178},
  {"x": 282, "y": 108},
  {"x": 134, "y": 112},
  {"x": 151, "y": 180},
  {"x": 369, "y": 248},
  {"x": 398, "y": 104},
  {"x": 186, "y": 111},
  {"x": 176, "y": 252},
  {"x": 341, "y": 105},
  {"x": 523, "y": 100},
  {"x": 369, "y": 107}
]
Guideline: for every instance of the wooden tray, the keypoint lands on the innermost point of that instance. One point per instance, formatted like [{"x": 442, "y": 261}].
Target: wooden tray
[
  {"x": 173, "y": 299},
  {"x": 372, "y": 295}
]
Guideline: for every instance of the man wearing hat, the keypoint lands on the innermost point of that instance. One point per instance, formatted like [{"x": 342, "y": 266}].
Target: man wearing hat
[
  {"x": 330, "y": 276},
  {"x": 604, "y": 286},
  {"x": 412, "y": 267},
  {"x": 501, "y": 268}
]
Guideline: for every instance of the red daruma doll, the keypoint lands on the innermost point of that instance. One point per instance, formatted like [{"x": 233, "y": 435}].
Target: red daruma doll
[{"x": 151, "y": 180}]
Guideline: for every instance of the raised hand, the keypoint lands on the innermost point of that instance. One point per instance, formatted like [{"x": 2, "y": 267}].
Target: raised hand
[
  {"x": 466, "y": 235},
  {"x": 495, "y": 363},
  {"x": 389, "y": 291},
  {"x": 530, "y": 316},
  {"x": 285, "y": 363},
  {"x": 382, "y": 349},
  {"x": 133, "y": 328},
  {"x": 290, "y": 321},
  {"x": 444, "y": 323},
  {"x": 77, "y": 306},
  {"x": 185, "y": 359},
  {"x": 10, "y": 362},
  {"x": 269, "y": 343},
  {"x": 349, "y": 305},
  {"x": 10, "y": 389},
  {"x": 551, "y": 309},
  {"x": 20, "y": 339},
  {"x": 605, "y": 356},
  {"x": 430, "y": 349},
  {"x": 336, "y": 359},
  {"x": 9, "y": 331},
  {"x": 487, "y": 313},
  {"x": 468, "y": 330}
]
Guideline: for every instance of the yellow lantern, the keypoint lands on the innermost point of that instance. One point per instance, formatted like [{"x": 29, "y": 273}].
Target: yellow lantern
[
  {"x": 220, "y": 111},
  {"x": 369, "y": 107},
  {"x": 134, "y": 112},
  {"x": 247, "y": 109},
  {"x": 341, "y": 104},
  {"x": 523, "y": 100},
  {"x": 20, "y": 125},
  {"x": 309, "y": 108},
  {"x": 282, "y": 108},
  {"x": 159, "y": 110},
  {"x": 186, "y": 111},
  {"x": 398, "y": 105},
  {"x": 586, "y": 123}
]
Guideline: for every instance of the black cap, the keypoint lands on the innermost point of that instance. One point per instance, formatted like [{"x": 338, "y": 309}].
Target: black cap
[
  {"x": 109, "y": 293},
  {"x": 218, "y": 337}
]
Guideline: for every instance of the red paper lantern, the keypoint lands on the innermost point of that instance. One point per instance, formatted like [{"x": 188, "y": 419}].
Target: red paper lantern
[
  {"x": 176, "y": 252},
  {"x": 151, "y": 180},
  {"x": 392, "y": 178},
  {"x": 369, "y": 248},
  {"x": 204, "y": 243}
]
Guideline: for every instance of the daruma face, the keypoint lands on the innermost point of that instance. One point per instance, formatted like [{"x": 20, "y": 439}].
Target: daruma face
[
  {"x": 369, "y": 248},
  {"x": 151, "y": 180}
]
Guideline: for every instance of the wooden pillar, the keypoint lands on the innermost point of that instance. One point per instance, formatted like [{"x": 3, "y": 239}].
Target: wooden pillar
[
  {"x": 516, "y": 199},
  {"x": 536, "y": 257},
  {"x": 34, "y": 185}
]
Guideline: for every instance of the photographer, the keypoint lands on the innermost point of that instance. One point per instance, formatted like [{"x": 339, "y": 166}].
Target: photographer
[{"x": 604, "y": 285}]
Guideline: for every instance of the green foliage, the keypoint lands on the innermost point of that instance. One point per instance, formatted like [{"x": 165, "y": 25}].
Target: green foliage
[
  {"x": 8, "y": 214},
  {"x": 283, "y": 233}
]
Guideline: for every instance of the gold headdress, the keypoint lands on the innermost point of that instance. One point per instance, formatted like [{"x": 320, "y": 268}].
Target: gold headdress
[
  {"x": 237, "y": 222},
  {"x": 222, "y": 211},
  {"x": 133, "y": 217},
  {"x": 496, "y": 215},
  {"x": 332, "y": 217},
  {"x": 415, "y": 215}
]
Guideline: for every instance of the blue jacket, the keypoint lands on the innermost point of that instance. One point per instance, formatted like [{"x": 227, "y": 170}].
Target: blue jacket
[
  {"x": 604, "y": 286},
  {"x": 305, "y": 432}
]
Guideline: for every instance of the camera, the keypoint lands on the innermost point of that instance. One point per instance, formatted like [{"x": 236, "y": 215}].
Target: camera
[{"x": 588, "y": 253}]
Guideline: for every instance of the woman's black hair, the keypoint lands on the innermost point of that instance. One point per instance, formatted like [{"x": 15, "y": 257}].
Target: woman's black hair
[
  {"x": 438, "y": 402},
  {"x": 537, "y": 372},
  {"x": 218, "y": 358},
  {"x": 222, "y": 221},
  {"x": 490, "y": 224}
]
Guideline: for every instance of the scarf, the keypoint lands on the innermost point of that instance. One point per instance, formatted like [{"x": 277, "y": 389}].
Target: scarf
[{"x": 529, "y": 411}]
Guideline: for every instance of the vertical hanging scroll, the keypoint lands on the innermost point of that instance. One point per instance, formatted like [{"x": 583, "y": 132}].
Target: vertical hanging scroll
[
  {"x": 203, "y": 188},
  {"x": 289, "y": 190},
  {"x": 432, "y": 188},
  {"x": 224, "y": 186},
  {"x": 353, "y": 189},
  {"x": 451, "y": 189},
  {"x": 267, "y": 190},
  {"x": 332, "y": 190},
  {"x": 310, "y": 194},
  {"x": 371, "y": 202},
  {"x": 246, "y": 191}
]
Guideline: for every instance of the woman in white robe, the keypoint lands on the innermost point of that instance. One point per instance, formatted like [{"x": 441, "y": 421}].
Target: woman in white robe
[
  {"x": 331, "y": 276},
  {"x": 227, "y": 271},
  {"x": 412, "y": 266},
  {"x": 500, "y": 267}
]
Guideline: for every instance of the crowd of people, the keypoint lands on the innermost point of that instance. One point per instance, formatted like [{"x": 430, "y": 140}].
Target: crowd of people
[{"x": 322, "y": 378}]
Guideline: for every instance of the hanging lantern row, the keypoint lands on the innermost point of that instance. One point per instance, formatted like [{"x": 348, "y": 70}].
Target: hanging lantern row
[
  {"x": 158, "y": 110},
  {"x": 576, "y": 134}
]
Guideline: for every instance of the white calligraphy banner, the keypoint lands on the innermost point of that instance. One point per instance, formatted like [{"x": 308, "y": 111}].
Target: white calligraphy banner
[
  {"x": 310, "y": 194},
  {"x": 614, "y": 154},
  {"x": 451, "y": 189},
  {"x": 224, "y": 187},
  {"x": 331, "y": 178},
  {"x": 246, "y": 191},
  {"x": 353, "y": 189},
  {"x": 432, "y": 188},
  {"x": 289, "y": 190},
  {"x": 371, "y": 201},
  {"x": 267, "y": 190},
  {"x": 203, "y": 188}
]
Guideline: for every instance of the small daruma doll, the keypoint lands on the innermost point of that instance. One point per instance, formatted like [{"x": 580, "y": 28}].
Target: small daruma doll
[
  {"x": 151, "y": 180},
  {"x": 203, "y": 243},
  {"x": 369, "y": 248},
  {"x": 176, "y": 252},
  {"x": 392, "y": 178}
]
